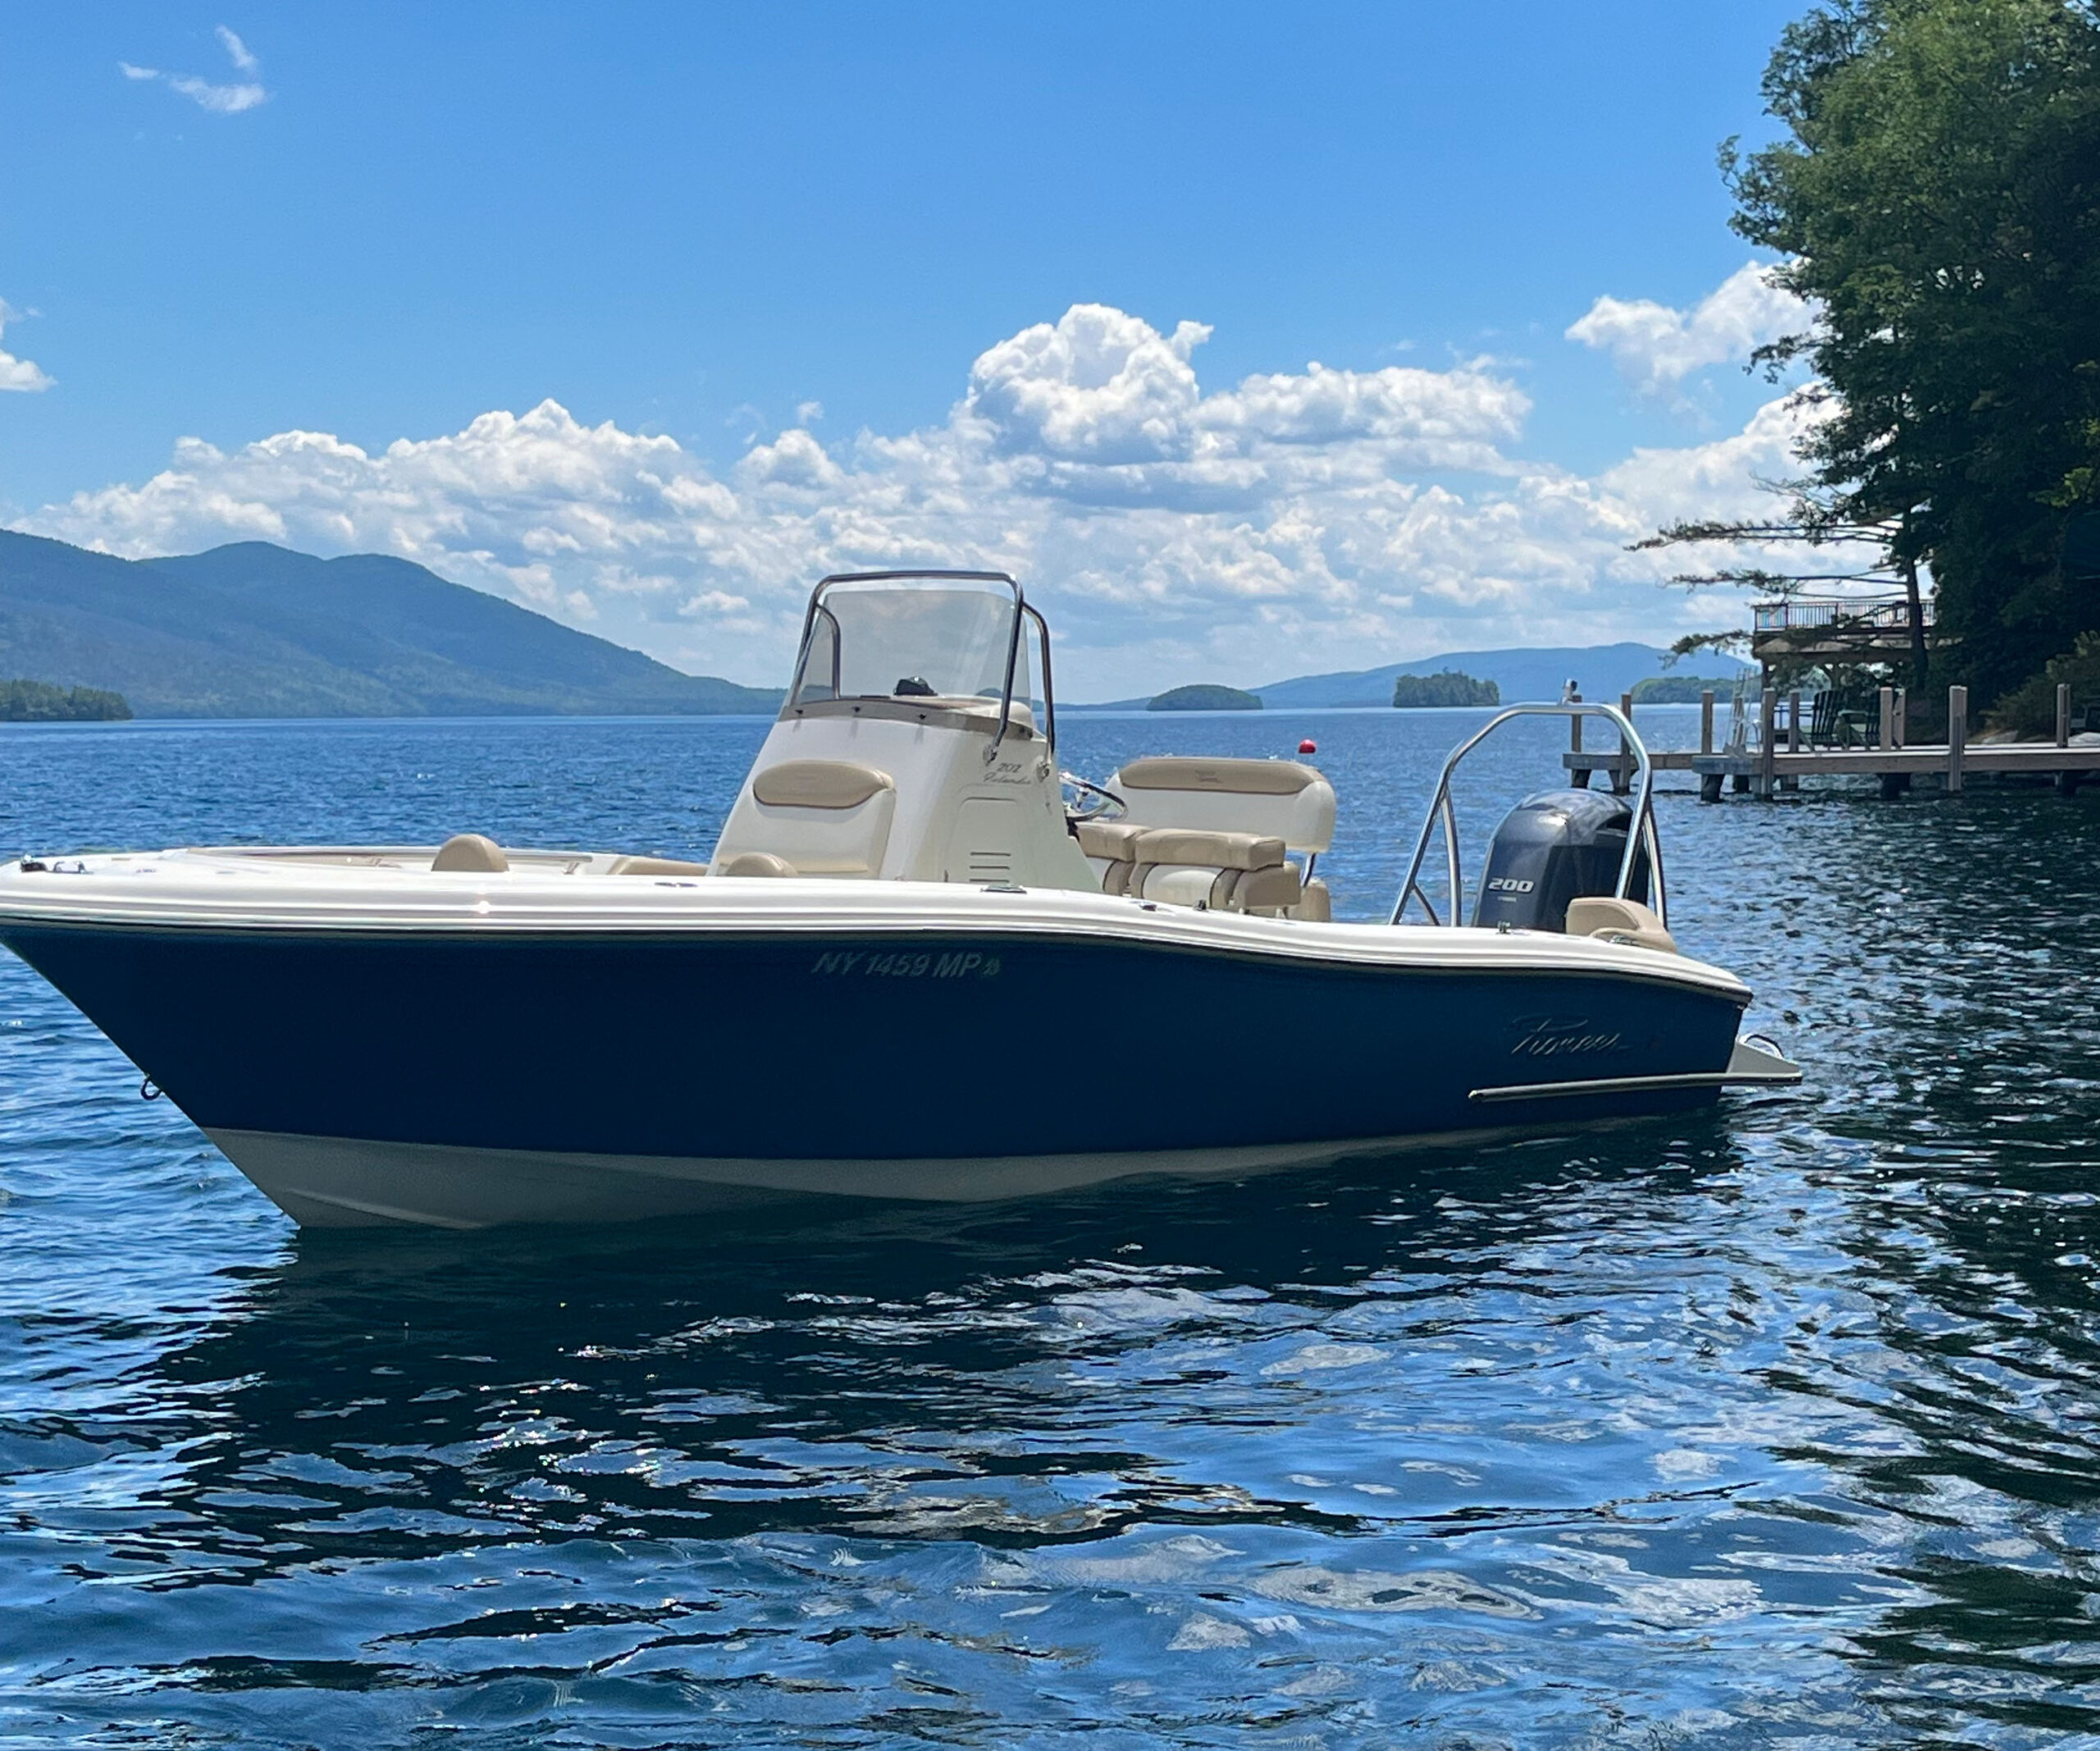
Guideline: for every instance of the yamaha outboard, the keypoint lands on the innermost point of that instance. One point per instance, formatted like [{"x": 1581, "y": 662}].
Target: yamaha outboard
[{"x": 1557, "y": 846}]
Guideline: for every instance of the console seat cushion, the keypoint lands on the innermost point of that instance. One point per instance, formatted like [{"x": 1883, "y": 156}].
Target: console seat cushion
[
  {"x": 818, "y": 783},
  {"x": 825, "y": 817}
]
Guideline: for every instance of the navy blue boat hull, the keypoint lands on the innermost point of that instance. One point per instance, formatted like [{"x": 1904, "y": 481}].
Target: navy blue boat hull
[{"x": 904, "y": 1046}]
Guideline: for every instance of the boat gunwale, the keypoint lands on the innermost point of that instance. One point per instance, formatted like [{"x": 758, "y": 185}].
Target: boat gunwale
[{"x": 1674, "y": 971}]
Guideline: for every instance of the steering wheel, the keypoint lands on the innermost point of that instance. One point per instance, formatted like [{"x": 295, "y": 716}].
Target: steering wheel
[{"x": 1095, "y": 802}]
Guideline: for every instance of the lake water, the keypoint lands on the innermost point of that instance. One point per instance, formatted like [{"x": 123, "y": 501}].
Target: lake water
[{"x": 1777, "y": 1426}]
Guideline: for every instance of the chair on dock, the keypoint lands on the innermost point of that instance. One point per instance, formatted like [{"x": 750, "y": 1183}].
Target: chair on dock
[{"x": 1842, "y": 718}]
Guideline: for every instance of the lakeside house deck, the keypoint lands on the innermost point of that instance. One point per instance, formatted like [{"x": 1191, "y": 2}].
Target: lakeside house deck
[
  {"x": 1762, "y": 759},
  {"x": 1842, "y": 628}
]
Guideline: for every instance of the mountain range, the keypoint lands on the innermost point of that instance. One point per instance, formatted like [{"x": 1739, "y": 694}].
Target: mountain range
[
  {"x": 1603, "y": 671},
  {"x": 254, "y": 630}
]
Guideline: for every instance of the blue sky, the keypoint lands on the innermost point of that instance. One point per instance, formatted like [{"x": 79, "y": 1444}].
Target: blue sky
[{"x": 760, "y": 258}]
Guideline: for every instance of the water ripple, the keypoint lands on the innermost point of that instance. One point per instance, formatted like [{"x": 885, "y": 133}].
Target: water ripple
[{"x": 1770, "y": 1427}]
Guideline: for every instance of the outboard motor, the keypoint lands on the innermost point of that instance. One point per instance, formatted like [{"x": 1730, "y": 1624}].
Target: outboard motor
[{"x": 1557, "y": 846}]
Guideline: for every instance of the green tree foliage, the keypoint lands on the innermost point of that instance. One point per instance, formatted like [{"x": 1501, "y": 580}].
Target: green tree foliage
[
  {"x": 1937, "y": 195},
  {"x": 2030, "y": 711},
  {"x": 40, "y": 702},
  {"x": 1681, "y": 689},
  {"x": 1447, "y": 686}
]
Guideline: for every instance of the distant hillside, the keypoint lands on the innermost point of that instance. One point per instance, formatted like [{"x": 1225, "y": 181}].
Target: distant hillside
[
  {"x": 1605, "y": 671},
  {"x": 1203, "y": 696},
  {"x": 1677, "y": 688},
  {"x": 252, "y": 630}
]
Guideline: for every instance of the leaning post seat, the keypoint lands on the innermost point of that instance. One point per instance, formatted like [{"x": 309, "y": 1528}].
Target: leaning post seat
[
  {"x": 1283, "y": 800},
  {"x": 820, "y": 817},
  {"x": 1110, "y": 847},
  {"x": 1225, "y": 871}
]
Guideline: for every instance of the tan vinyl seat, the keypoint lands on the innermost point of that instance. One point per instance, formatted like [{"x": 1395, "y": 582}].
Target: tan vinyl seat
[
  {"x": 755, "y": 863},
  {"x": 818, "y": 783},
  {"x": 655, "y": 866},
  {"x": 820, "y": 817},
  {"x": 1619, "y": 922},
  {"x": 1224, "y": 871},
  {"x": 1110, "y": 847},
  {"x": 1283, "y": 801},
  {"x": 472, "y": 852}
]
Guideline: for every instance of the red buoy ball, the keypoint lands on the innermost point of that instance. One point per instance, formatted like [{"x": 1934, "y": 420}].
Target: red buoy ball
[{"x": 1308, "y": 746}]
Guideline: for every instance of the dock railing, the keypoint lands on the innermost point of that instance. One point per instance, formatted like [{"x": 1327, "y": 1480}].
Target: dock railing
[
  {"x": 1793, "y": 614},
  {"x": 1894, "y": 744}
]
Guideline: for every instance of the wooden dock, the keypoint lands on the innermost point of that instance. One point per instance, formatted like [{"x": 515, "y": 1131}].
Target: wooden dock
[{"x": 1776, "y": 760}]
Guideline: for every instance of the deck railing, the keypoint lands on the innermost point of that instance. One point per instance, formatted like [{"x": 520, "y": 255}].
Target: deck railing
[{"x": 1799, "y": 612}]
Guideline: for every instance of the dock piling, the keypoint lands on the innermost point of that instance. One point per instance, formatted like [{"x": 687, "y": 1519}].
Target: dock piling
[
  {"x": 1957, "y": 736},
  {"x": 2063, "y": 713},
  {"x": 1903, "y": 715},
  {"x": 1885, "y": 720},
  {"x": 1768, "y": 709},
  {"x": 1706, "y": 721},
  {"x": 1622, "y": 771}
]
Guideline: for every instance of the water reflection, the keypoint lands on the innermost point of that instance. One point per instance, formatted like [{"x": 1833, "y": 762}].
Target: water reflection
[{"x": 1438, "y": 1431}]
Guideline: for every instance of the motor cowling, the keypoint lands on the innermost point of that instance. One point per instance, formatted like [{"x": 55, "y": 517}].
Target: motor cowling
[{"x": 1557, "y": 846}]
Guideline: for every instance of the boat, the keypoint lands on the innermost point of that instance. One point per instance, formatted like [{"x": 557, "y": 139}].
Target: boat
[{"x": 913, "y": 929}]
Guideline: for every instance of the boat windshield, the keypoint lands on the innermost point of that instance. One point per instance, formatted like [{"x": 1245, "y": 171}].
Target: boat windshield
[{"x": 908, "y": 638}]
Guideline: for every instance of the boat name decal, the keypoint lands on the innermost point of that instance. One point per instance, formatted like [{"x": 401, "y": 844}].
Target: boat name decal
[
  {"x": 1560, "y": 1036},
  {"x": 865, "y": 963}
]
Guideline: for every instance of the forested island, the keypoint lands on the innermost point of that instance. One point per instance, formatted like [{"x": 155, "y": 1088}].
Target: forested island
[
  {"x": 1447, "y": 686},
  {"x": 1681, "y": 689},
  {"x": 41, "y": 703},
  {"x": 1204, "y": 695}
]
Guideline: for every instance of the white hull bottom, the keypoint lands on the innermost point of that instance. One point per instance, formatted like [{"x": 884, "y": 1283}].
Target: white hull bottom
[{"x": 344, "y": 1182}]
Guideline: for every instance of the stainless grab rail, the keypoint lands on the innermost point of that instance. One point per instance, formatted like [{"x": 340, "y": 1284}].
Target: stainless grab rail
[{"x": 1641, "y": 836}]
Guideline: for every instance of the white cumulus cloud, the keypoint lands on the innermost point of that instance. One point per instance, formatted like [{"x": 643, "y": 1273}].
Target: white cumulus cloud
[
  {"x": 1656, "y": 347},
  {"x": 229, "y": 99},
  {"x": 1321, "y": 519},
  {"x": 22, "y": 375},
  {"x": 237, "y": 52}
]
